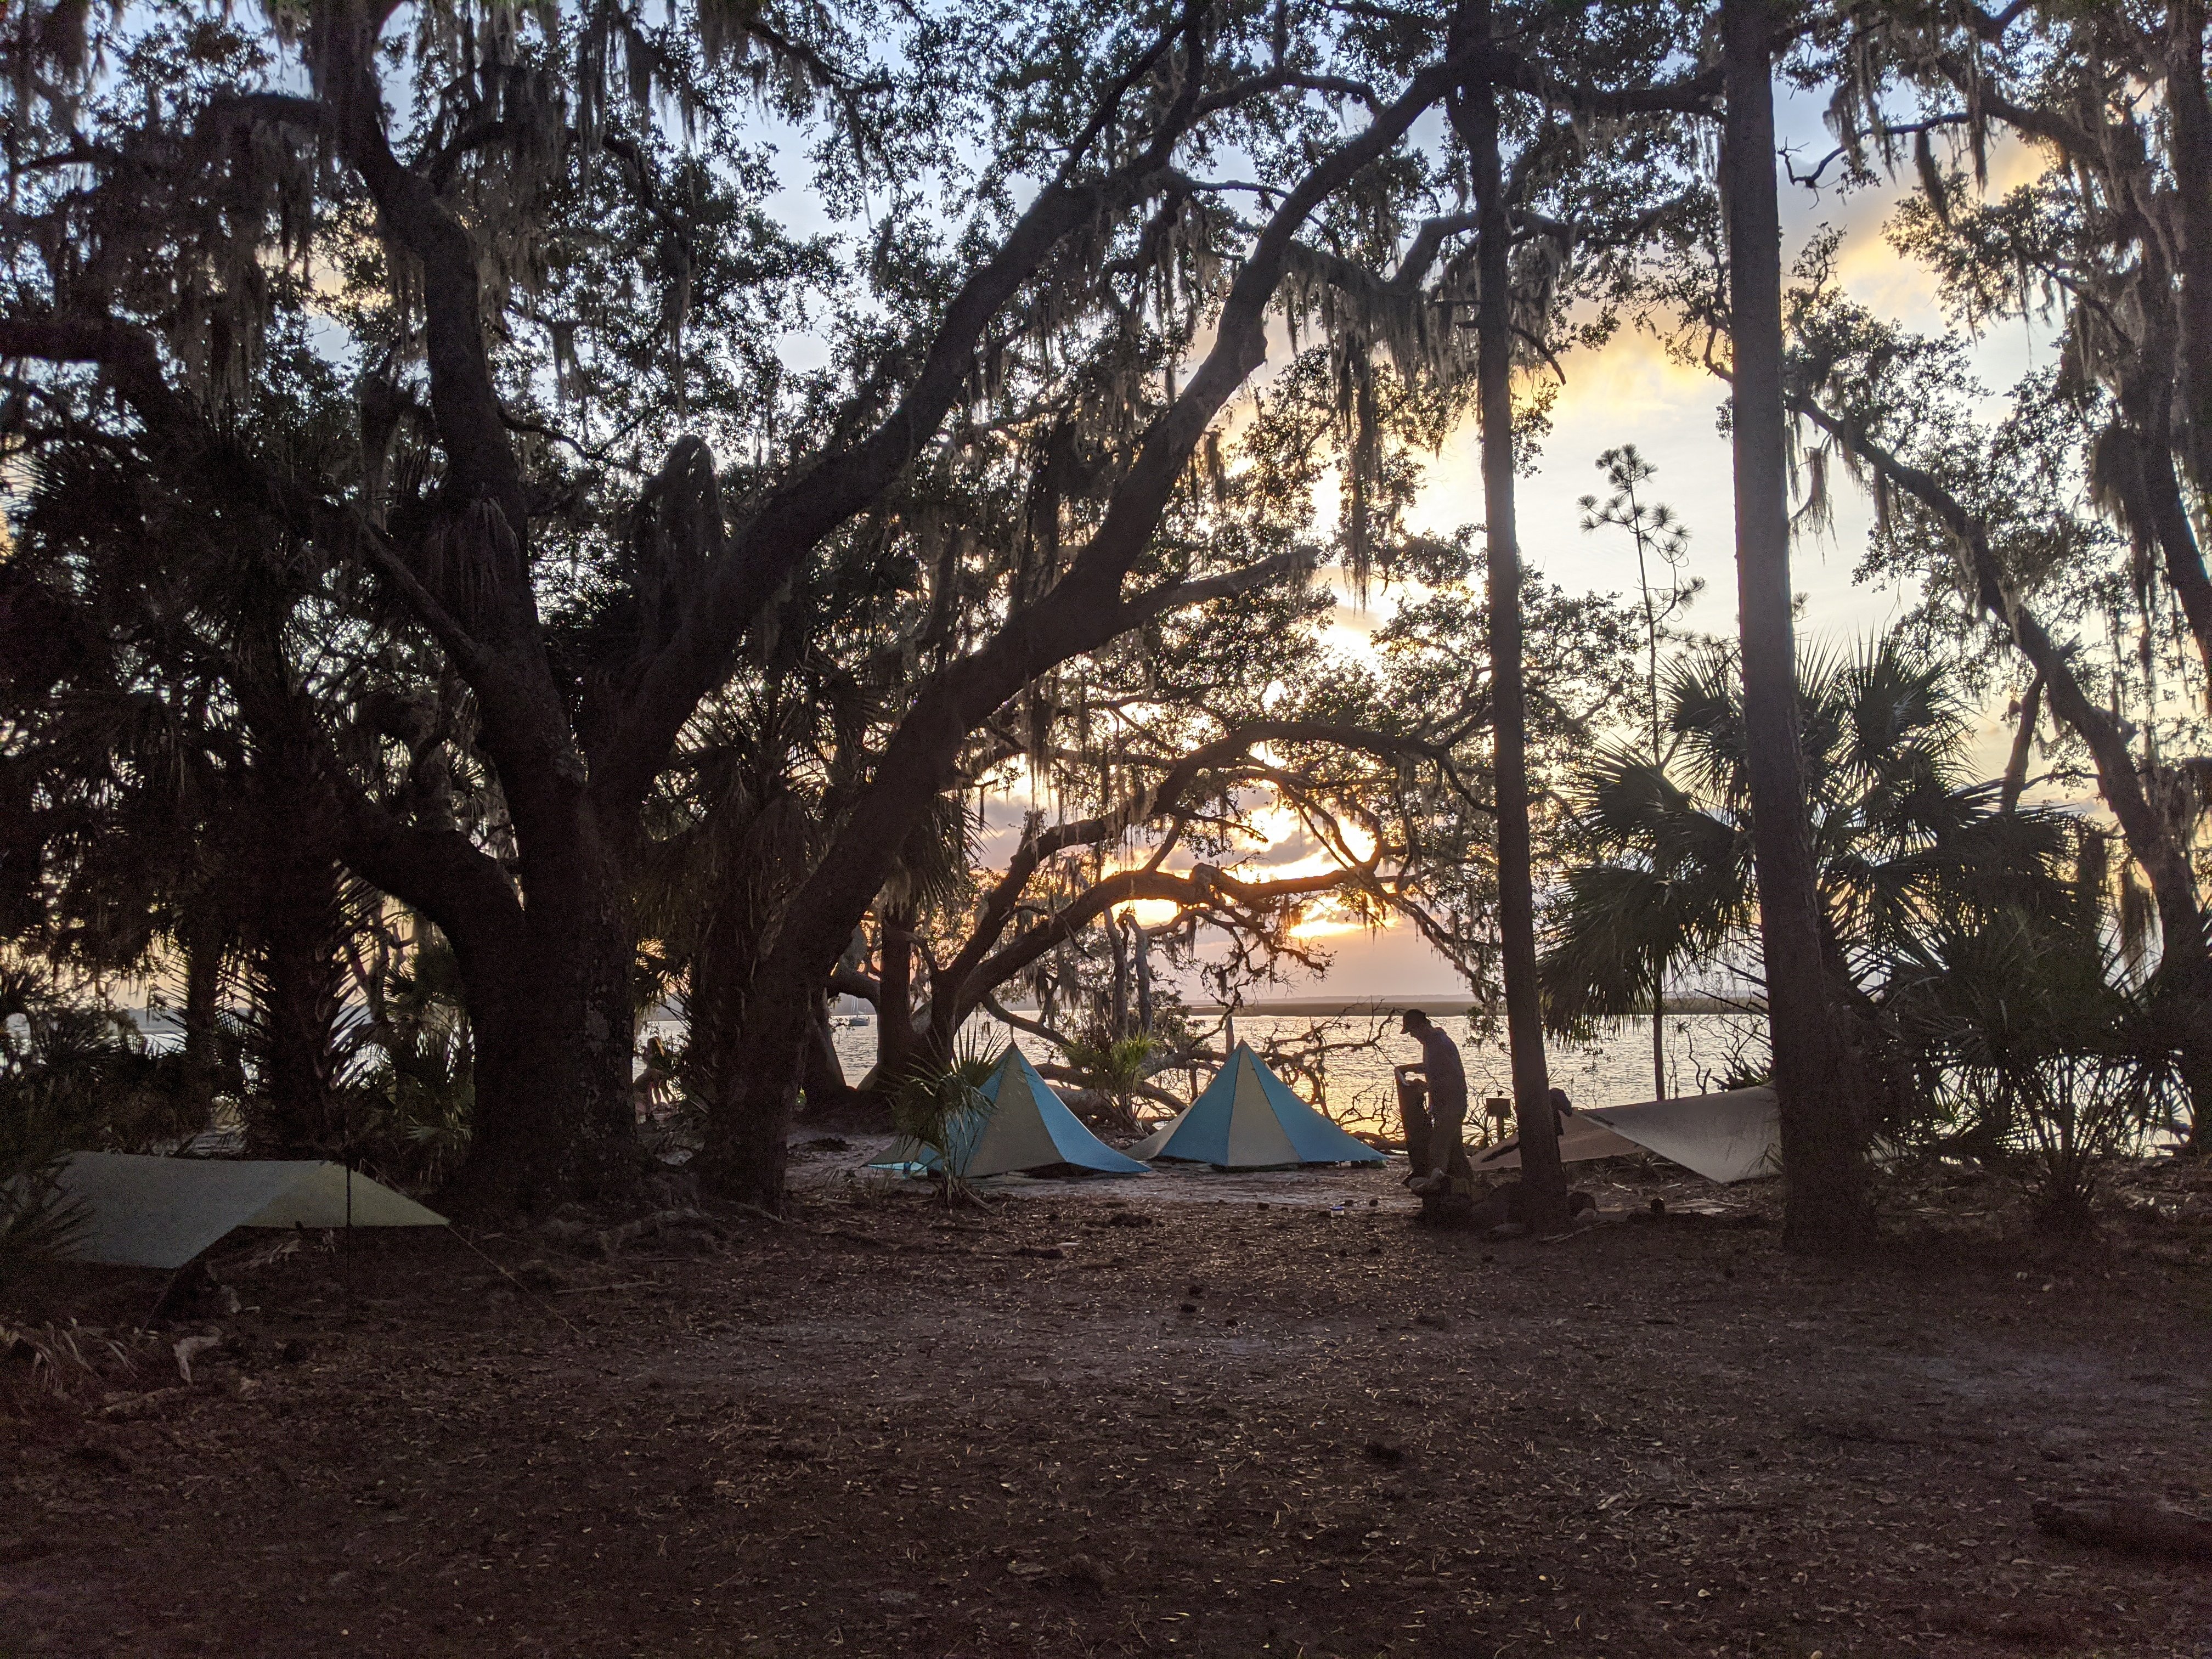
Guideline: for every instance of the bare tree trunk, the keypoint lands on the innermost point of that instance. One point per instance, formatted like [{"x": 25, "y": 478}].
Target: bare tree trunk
[
  {"x": 1474, "y": 115},
  {"x": 823, "y": 1075},
  {"x": 895, "y": 998},
  {"x": 2023, "y": 745},
  {"x": 746, "y": 1151},
  {"x": 299, "y": 981},
  {"x": 2137, "y": 451},
  {"x": 2189, "y": 152},
  {"x": 1658, "y": 1041},
  {"x": 549, "y": 1001},
  {"x": 554, "y": 1112},
  {"x": 2182, "y": 558},
  {"x": 1822, "y": 1136},
  {"x": 1142, "y": 943},
  {"x": 206, "y": 944},
  {"x": 1117, "y": 1009}
]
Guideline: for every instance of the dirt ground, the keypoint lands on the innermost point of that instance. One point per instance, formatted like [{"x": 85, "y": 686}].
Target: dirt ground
[{"x": 1189, "y": 1414}]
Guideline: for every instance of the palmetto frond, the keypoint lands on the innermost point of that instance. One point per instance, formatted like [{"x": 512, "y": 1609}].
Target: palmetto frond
[
  {"x": 1702, "y": 695},
  {"x": 1905, "y": 841},
  {"x": 935, "y": 865}
]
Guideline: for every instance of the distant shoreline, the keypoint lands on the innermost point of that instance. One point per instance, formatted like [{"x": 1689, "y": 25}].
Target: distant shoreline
[{"x": 1447, "y": 1006}]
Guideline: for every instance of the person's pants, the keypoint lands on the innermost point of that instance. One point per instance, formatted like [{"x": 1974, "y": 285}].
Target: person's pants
[
  {"x": 1448, "y": 1140},
  {"x": 1413, "y": 1115}
]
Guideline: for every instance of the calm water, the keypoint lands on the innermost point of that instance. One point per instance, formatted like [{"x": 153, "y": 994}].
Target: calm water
[{"x": 1356, "y": 1086}]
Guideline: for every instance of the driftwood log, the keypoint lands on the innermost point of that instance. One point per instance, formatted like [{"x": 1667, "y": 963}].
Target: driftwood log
[{"x": 2127, "y": 1524}]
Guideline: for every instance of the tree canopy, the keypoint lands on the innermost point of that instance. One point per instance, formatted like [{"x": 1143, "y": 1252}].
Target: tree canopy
[{"x": 517, "y": 514}]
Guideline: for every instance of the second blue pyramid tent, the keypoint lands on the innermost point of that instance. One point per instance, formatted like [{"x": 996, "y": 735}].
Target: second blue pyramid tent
[
  {"x": 1248, "y": 1118},
  {"x": 1018, "y": 1123}
]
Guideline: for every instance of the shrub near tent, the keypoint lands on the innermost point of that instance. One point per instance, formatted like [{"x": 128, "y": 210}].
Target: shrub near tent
[
  {"x": 1017, "y": 1124},
  {"x": 1248, "y": 1118}
]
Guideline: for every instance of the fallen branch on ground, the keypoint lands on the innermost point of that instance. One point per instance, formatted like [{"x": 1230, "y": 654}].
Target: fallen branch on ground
[{"x": 2126, "y": 1524}]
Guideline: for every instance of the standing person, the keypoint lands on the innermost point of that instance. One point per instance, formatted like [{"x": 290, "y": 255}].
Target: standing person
[{"x": 1440, "y": 1066}]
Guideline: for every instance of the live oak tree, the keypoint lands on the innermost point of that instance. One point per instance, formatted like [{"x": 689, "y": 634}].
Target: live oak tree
[
  {"x": 474, "y": 242},
  {"x": 2112, "y": 241},
  {"x": 441, "y": 214},
  {"x": 1995, "y": 519},
  {"x": 663, "y": 568},
  {"x": 1074, "y": 603}
]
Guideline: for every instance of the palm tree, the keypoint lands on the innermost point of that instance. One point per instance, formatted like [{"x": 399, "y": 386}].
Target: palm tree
[
  {"x": 1823, "y": 1135},
  {"x": 1905, "y": 841},
  {"x": 1477, "y": 117}
]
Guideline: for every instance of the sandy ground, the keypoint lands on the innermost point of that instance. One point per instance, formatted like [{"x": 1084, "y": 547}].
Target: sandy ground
[{"x": 1201, "y": 1414}]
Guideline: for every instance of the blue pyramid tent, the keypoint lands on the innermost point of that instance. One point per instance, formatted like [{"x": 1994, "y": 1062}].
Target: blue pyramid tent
[
  {"x": 1248, "y": 1118},
  {"x": 1018, "y": 1123}
]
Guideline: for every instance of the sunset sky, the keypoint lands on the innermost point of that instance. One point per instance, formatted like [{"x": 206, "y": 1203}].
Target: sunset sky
[{"x": 1631, "y": 392}]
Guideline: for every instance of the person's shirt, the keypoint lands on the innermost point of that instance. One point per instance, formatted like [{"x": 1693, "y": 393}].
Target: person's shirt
[{"x": 1440, "y": 1061}]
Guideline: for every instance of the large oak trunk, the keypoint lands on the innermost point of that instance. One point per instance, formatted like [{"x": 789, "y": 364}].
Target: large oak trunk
[
  {"x": 549, "y": 1005},
  {"x": 1822, "y": 1135},
  {"x": 744, "y": 1155}
]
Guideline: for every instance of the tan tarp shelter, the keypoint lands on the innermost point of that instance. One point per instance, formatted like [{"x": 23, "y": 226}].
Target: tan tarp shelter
[
  {"x": 1580, "y": 1139},
  {"x": 162, "y": 1212},
  {"x": 1733, "y": 1136}
]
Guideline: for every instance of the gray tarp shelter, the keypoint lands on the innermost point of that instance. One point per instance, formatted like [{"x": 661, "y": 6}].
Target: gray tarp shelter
[
  {"x": 162, "y": 1212},
  {"x": 1735, "y": 1135}
]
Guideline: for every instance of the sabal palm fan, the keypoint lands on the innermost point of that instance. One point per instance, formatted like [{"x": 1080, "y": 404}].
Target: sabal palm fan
[
  {"x": 738, "y": 826},
  {"x": 976, "y": 1057},
  {"x": 942, "y": 1106},
  {"x": 721, "y": 898},
  {"x": 1667, "y": 880},
  {"x": 734, "y": 822},
  {"x": 410, "y": 1096},
  {"x": 936, "y": 864},
  {"x": 1903, "y": 836},
  {"x": 1903, "y": 839}
]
